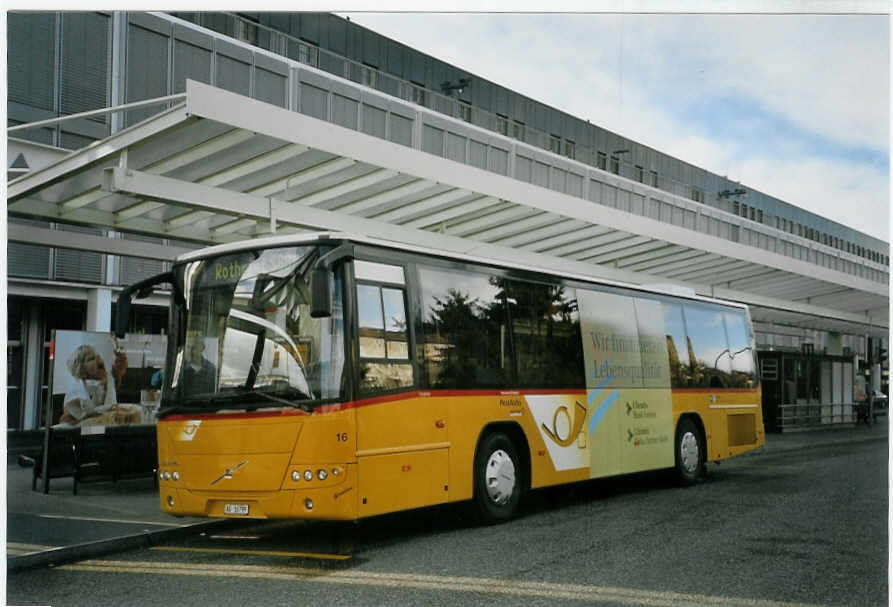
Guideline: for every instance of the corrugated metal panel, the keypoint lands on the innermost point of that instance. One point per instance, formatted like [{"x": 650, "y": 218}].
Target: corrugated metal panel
[
  {"x": 401, "y": 130},
  {"x": 432, "y": 140},
  {"x": 313, "y": 101},
  {"x": 499, "y": 161},
  {"x": 78, "y": 266},
  {"x": 394, "y": 58},
  {"x": 345, "y": 111},
  {"x": 151, "y": 80},
  {"x": 374, "y": 121},
  {"x": 477, "y": 154},
  {"x": 331, "y": 63},
  {"x": 233, "y": 75},
  {"x": 135, "y": 269},
  {"x": 85, "y": 62},
  {"x": 31, "y": 56},
  {"x": 28, "y": 260},
  {"x": 270, "y": 87},
  {"x": 190, "y": 62},
  {"x": 455, "y": 147}
]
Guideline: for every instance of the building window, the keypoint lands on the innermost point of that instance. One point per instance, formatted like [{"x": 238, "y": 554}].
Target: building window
[
  {"x": 418, "y": 93},
  {"x": 308, "y": 55},
  {"x": 697, "y": 195},
  {"x": 654, "y": 180},
  {"x": 736, "y": 208},
  {"x": 602, "y": 160},
  {"x": 760, "y": 215},
  {"x": 502, "y": 125},
  {"x": 555, "y": 144},
  {"x": 246, "y": 31},
  {"x": 615, "y": 165},
  {"x": 753, "y": 213},
  {"x": 640, "y": 174},
  {"x": 570, "y": 149},
  {"x": 518, "y": 130},
  {"x": 369, "y": 76},
  {"x": 465, "y": 111}
]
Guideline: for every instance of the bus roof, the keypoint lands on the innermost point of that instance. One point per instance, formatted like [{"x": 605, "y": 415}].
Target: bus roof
[{"x": 320, "y": 237}]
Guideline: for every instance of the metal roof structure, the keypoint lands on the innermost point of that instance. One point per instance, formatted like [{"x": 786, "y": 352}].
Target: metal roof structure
[{"x": 219, "y": 167}]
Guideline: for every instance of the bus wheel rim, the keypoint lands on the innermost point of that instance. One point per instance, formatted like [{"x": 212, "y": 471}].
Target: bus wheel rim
[
  {"x": 500, "y": 477},
  {"x": 688, "y": 451}
]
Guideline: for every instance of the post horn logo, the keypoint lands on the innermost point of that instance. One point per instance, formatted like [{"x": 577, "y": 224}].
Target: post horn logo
[{"x": 555, "y": 433}]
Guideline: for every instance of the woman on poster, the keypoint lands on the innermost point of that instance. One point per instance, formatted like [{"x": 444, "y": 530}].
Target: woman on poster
[{"x": 92, "y": 393}]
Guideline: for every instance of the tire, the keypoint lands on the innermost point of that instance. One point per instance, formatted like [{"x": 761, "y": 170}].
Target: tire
[
  {"x": 497, "y": 479},
  {"x": 691, "y": 453}
]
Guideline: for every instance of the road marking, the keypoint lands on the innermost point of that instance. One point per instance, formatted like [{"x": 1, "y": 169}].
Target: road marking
[
  {"x": 312, "y": 555},
  {"x": 625, "y": 596},
  {"x": 109, "y": 520},
  {"x": 20, "y": 549}
]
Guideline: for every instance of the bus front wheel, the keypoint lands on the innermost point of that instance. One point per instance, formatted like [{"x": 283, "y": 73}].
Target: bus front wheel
[
  {"x": 497, "y": 479},
  {"x": 690, "y": 452}
]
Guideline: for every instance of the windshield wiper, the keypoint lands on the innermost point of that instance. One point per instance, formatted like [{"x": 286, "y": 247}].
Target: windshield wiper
[{"x": 287, "y": 403}]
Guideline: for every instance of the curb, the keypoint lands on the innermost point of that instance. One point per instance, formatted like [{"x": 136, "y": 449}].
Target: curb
[{"x": 87, "y": 550}]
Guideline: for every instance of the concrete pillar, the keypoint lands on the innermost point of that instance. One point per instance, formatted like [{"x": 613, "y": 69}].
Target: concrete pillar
[
  {"x": 99, "y": 310},
  {"x": 834, "y": 343}
]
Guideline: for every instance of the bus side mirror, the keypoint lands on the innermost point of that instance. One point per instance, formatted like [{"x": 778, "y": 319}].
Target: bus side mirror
[
  {"x": 321, "y": 289},
  {"x": 141, "y": 289}
]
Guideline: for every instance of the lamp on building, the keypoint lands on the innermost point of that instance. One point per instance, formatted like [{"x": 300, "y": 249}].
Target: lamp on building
[
  {"x": 618, "y": 152},
  {"x": 447, "y": 87},
  {"x": 735, "y": 192}
]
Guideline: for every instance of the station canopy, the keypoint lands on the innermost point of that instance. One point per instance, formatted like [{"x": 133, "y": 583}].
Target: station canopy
[{"x": 219, "y": 167}]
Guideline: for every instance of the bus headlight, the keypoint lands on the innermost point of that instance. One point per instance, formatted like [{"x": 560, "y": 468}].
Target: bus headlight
[
  {"x": 167, "y": 475},
  {"x": 321, "y": 474},
  {"x": 308, "y": 503},
  {"x": 295, "y": 475},
  {"x": 308, "y": 475},
  {"x": 175, "y": 475}
]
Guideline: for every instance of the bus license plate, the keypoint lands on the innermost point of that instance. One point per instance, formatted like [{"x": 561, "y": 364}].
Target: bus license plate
[{"x": 235, "y": 509}]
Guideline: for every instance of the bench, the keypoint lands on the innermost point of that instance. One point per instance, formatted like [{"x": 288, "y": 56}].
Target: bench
[{"x": 117, "y": 452}]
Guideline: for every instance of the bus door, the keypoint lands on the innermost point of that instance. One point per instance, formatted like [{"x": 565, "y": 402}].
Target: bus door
[
  {"x": 402, "y": 437},
  {"x": 629, "y": 417}
]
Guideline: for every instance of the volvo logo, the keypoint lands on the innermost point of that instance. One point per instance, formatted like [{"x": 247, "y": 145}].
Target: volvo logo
[{"x": 228, "y": 473}]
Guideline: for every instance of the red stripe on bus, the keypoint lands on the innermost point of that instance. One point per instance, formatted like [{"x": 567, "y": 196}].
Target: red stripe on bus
[{"x": 334, "y": 407}]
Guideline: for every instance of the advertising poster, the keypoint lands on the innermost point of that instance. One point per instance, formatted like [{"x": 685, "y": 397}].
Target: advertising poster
[
  {"x": 625, "y": 422},
  {"x": 101, "y": 381}
]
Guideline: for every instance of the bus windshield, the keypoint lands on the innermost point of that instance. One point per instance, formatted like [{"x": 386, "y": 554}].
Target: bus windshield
[{"x": 243, "y": 336}]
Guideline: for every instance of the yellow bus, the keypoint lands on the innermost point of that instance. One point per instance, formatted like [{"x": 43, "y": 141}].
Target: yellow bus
[{"x": 334, "y": 377}]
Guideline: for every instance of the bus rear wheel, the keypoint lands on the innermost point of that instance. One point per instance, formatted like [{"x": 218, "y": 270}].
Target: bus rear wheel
[
  {"x": 690, "y": 452},
  {"x": 497, "y": 479}
]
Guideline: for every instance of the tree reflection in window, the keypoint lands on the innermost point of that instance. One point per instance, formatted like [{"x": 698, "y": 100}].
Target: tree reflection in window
[{"x": 490, "y": 332}]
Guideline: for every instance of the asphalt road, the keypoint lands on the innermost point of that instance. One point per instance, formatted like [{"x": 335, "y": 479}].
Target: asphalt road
[{"x": 804, "y": 527}]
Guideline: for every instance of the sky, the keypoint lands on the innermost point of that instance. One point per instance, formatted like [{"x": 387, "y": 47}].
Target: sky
[{"x": 796, "y": 106}]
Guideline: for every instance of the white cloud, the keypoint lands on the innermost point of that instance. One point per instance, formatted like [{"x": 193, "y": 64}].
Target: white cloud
[{"x": 826, "y": 79}]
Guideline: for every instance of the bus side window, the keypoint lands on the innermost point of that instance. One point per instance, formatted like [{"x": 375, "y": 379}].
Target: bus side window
[
  {"x": 383, "y": 337},
  {"x": 467, "y": 343},
  {"x": 707, "y": 346},
  {"x": 681, "y": 370},
  {"x": 546, "y": 331},
  {"x": 743, "y": 374}
]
